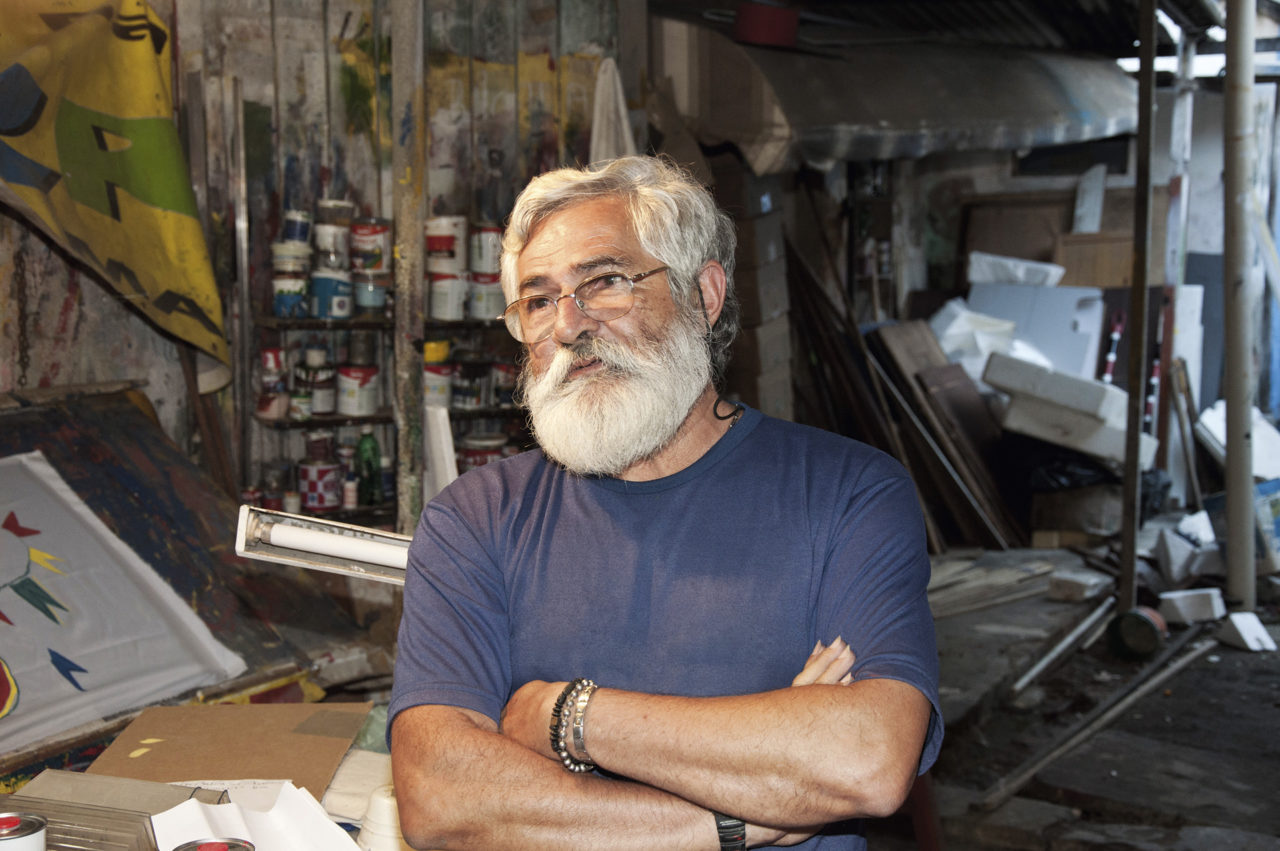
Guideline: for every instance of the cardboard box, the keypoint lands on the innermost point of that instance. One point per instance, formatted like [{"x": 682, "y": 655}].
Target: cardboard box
[
  {"x": 1094, "y": 509},
  {"x": 741, "y": 193},
  {"x": 300, "y": 742},
  {"x": 769, "y": 392},
  {"x": 1089, "y": 396},
  {"x": 1065, "y": 427},
  {"x": 762, "y": 292},
  {"x": 760, "y": 349},
  {"x": 760, "y": 240}
]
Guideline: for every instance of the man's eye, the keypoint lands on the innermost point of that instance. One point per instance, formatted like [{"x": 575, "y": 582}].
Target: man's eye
[
  {"x": 601, "y": 284},
  {"x": 534, "y": 305}
]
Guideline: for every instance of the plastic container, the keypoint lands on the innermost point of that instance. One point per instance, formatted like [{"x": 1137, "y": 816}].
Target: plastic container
[
  {"x": 486, "y": 248},
  {"x": 448, "y": 300},
  {"x": 484, "y": 297},
  {"x": 330, "y": 294},
  {"x": 357, "y": 390}
]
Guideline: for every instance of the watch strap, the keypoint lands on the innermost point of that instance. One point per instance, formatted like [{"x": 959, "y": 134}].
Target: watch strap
[{"x": 732, "y": 831}]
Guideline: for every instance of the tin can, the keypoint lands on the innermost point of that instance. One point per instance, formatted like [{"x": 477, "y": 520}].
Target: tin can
[
  {"x": 448, "y": 299},
  {"x": 437, "y": 384},
  {"x": 299, "y": 406},
  {"x": 320, "y": 484},
  {"x": 319, "y": 444},
  {"x": 362, "y": 347},
  {"x": 346, "y": 454},
  {"x": 484, "y": 297},
  {"x": 358, "y": 390},
  {"x": 486, "y": 248},
  {"x": 369, "y": 290},
  {"x": 292, "y": 502},
  {"x": 335, "y": 211},
  {"x": 480, "y": 449},
  {"x": 446, "y": 238},
  {"x": 22, "y": 832},
  {"x": 371, "y": 245},
  {"x": 320, "y": 382},
  {"x": 216, "y": 845},
  {"x": 333, "y": 247}
]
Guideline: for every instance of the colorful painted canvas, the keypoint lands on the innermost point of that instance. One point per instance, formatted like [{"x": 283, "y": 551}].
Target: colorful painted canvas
[{"x": 87, "y": 629}]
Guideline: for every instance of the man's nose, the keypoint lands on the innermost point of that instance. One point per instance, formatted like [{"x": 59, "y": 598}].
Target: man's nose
[{"x": 571, "y": 322}]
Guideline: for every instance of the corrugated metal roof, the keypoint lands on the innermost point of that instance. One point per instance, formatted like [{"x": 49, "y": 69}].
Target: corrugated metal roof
[{"x": 1103, "y": 27}]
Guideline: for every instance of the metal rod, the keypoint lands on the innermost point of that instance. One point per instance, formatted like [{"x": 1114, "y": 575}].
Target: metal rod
[
  {"x": 1132, "y": 515},
  {"x": 244, "y": 316},
  {"x": 1062, "y": 646},
  {"x": 1238, "y": 334}
]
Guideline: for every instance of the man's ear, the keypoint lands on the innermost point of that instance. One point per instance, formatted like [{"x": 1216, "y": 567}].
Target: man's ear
[{"x": 713, "y": 283}]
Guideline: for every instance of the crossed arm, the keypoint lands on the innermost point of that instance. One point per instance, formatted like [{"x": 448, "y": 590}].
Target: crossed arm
[{"x": 786, "y": 761}]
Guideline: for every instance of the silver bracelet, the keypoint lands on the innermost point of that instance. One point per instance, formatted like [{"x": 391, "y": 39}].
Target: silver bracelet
[
  {"x": 562, "y": 719},
  {"x": 579, "y": 721}
]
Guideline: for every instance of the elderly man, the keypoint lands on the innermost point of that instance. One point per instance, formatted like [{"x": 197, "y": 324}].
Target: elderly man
[{"x": 681, "y": 624}]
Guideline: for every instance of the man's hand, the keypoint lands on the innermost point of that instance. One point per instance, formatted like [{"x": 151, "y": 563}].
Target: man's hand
[
  {"x": 827, "y": 665},
  {"x": 526, "y": 719}
]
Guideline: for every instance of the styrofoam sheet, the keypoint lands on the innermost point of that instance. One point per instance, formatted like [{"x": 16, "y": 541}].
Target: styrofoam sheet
[
  {"x": 1065, "y": 323},
  {"x": 1065, "y": 427},
  {"x": 1097, "y": 399}
]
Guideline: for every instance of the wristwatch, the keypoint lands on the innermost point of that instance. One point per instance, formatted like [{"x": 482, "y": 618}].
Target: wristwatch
[{"x": 733, "y": 832}]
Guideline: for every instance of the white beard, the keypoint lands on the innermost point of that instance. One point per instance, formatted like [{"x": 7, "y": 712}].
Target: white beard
[{"x": 626, "y": 411}]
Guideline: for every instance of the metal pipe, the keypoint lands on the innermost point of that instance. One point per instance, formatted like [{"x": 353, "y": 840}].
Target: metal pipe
[
  {"x": 1238, "y": 152},
  {"x": 1127, "y": 593},
  {"x": 1068, "y": 641},
  {"x": 243, "y": 318}
]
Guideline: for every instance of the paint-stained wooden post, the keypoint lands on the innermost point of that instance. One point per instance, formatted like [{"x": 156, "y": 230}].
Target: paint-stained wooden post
[
  {"x": 409, "y": 194},
  {"x": 448, "y": 116},
  {"x": 493, "y": 110},
  {"x": 588, "y": 33},
  {"x": 538, "y": 89}
]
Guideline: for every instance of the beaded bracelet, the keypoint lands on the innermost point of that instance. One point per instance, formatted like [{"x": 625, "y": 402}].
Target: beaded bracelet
[{"x": 562, "y": 715}]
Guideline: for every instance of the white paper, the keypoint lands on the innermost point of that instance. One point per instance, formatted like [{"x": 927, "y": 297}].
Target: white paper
[
  {"x": 294, "y": 822},
  {"x": 360, "y": 774}
]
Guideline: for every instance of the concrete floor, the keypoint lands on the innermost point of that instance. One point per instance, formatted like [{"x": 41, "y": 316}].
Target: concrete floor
[{"x": 1192, "y": 765}]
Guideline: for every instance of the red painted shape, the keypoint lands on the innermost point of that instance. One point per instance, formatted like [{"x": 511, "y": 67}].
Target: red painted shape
[
  {"x": 5, "y": 619},
  {"x": 11, "y": 524}
]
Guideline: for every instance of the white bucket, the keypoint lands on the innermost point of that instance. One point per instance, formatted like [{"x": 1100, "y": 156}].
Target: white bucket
[
  {"x": 446, "y": 244},
  {"x": 437, "y": 384},
  {"x": 486, "y": 249},
  {"x": 484, "y": 297},
  {"x": 357, "y": 391}
]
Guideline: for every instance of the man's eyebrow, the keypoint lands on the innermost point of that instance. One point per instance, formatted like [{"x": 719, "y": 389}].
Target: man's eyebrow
[{"x": 581, "y": 270}]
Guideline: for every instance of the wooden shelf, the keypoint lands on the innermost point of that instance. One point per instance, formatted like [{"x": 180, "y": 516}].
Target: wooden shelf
[
  {"x": 384, "y": 415},
  {"x": 279, "y": 323}
]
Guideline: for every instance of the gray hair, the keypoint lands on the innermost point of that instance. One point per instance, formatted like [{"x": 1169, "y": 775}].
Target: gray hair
[{"x": 674, "y": 217}]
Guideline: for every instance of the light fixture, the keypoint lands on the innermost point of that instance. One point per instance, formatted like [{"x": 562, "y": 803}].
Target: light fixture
[{"x": 317, "y": 543}]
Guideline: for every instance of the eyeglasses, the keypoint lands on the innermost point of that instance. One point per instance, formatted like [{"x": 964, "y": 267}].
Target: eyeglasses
[{"x": 602, "y": 297}]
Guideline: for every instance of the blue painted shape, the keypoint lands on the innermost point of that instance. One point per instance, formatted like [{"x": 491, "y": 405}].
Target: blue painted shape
[{"x": 66, "y": 667}]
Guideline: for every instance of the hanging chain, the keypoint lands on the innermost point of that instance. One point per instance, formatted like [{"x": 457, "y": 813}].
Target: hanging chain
[{"x": 24, "y": 344}]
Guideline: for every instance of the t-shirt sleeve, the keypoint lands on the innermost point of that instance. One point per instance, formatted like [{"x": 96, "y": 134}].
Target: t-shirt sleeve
[
  {"x": 453, "y": 640},
  {"x": 874, "y": 586}
]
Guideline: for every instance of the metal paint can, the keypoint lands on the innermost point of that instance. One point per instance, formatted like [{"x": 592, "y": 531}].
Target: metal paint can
[
  {"x": 486, "y": 248},
  {"x": 335, "y": 211},
  {"x": 216, "y": 845},
  {"x": 480, "y": 449},
  {"x": 446, "y": 244},
  {"x": 448, "y": 296},
  {"x": 370, "y": 291},
  {"x": 371, "y": 245},
  {"x": 357, "y": 390},
  {"x": 437, "y": 384},
  {"x": 484, "y": 297},
  {"x": 22, "y": 832},
  {"x": 333, "y": 246},
  {"x": 362, "y": 347},
  {"x": 320, "y": 483}
]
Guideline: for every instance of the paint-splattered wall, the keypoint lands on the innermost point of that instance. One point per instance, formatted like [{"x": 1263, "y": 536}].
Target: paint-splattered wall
[{"x": 509, "y": 90}]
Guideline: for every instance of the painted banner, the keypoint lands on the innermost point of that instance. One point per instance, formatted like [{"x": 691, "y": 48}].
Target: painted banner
[
  {"x": 89, "y": 153},
  {"x": 87, "y": 628}
]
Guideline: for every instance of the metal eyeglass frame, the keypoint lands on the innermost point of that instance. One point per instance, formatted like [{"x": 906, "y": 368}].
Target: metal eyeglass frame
[{"x": 512, "y": 320}]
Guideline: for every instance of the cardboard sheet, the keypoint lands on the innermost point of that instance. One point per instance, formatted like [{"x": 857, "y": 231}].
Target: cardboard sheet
[{"x": 299, "y": 742}]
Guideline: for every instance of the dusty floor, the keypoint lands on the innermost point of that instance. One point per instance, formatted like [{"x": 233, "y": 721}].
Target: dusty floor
[{"x": 1193, "y": 765}]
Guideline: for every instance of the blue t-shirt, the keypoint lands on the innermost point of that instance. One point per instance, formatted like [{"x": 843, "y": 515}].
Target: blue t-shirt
[{"x": 717, "y": 580}]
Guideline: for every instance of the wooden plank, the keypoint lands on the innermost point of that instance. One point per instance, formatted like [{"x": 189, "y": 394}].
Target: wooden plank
[
  {"x": 301, "y": 106},
  {"x": 538, "y": 92},
  {"x": 493, "y": 110},
  {"x": 449, "y": 159},
  {"x": 959, "y": 410},
  {"x": 588, "y": 33},
  {"x": 358, "y": 146}
]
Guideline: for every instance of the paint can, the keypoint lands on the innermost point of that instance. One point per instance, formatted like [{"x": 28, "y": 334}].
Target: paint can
[
  {"x": 446, "y": 244},
  {"x": 504, "y": 377},
  {"x": 437, "y": 384},
  {"x": 291, "y": 258},
  {"x": 272, "y": 359},
  {"x": 357, "y": 390},
  {"x": 435, "y": 351},
  {"x": 478, "y": 449},
  {"x": 320, "y": 483},
  {"x": 335, "y": 211},
  {"x": 330, "y": 294},
  {"x": 370, "y": 291},
  {"x": 251, "y": 496},
  {"x": 486, "y": 248},
  {"x": 362, "y": 347},
  {"x": 292, "y": 502},
  {"x": 216, "y": 845},
  {"x": 321, "y": 384},
  {"x": 333, "y": 247},
  {"x": 299, "y": 406},
  {"x": 484, "y": 297},
  {"x": 289, "y": 297},
  {"x": 448, "y": 296},
  {"x": 346, "y": 454},
  {"x": 371, "y": 245},
  {"x": 470, "y": 386},
  {"x": 22, "y": 832},
  {"x": 297, "y": 226},
  {"x": 319, "y": 445}
]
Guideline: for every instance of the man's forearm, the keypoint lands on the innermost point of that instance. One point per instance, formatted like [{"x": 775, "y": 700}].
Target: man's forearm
[
  {"x": 460, "y": 784},
  {"x": 790, "y": 757}
]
